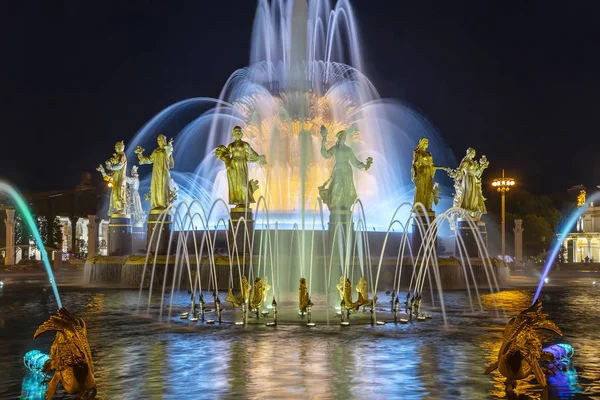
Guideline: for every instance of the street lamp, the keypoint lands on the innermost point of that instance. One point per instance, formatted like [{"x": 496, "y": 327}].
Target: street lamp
[{"x": 503, "y": 185}]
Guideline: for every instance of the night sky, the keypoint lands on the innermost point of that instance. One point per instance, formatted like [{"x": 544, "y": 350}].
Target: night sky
[{"x": 519, "y": 81}]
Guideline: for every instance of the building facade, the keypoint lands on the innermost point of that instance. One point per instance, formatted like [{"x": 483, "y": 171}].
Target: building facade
[{"x": 583, "y": 245}]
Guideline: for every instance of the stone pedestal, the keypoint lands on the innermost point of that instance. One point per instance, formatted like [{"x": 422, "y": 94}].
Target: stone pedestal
[
  {"x": 161, "y": 225},
  {"x": 119, "y": 235},
  {"x": 469, "y": 237},
  {"x": 417, "y": 238},
  {"x": 10, "y": 237},
  {"x": 242, "y": 239},
  {"x": 138, "y": 237},
  {"x": 340, "y": 226}
]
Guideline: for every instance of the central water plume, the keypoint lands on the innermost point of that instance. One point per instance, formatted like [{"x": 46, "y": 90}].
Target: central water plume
[{"x": 306, "y": 70}]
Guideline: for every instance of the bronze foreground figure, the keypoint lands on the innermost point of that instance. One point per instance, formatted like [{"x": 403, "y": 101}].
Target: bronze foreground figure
[
  {"x": 70, "y": 355},
  {"x": 521, "y": 348}
]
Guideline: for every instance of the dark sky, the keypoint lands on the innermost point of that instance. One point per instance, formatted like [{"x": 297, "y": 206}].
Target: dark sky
[{"x": 517, "y": 80}]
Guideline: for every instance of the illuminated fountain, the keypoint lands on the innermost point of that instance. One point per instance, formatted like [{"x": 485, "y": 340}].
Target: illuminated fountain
[
  {"x": 305, "y": 88},
  {"x": 306, "y": 70}
]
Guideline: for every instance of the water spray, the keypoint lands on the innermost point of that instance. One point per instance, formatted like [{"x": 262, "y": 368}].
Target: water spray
[
  {"x": 274, "y": 307},
  {"x": 217, "y": 305}
]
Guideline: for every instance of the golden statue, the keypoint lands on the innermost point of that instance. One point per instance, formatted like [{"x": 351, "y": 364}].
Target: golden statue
[
  {"x": 467, "y": 184},
  {"x": 521, "y": 348},
  {"x": 338, "y": 192},
  {"x": 345, "y": 289},
  {"x": 266, "y": 288},
  {"x": 363, "y": 294},
  {"x": 243, "y": 296},
  {"x": 422, "y": 173},
  {"x": 303, "y": 297},
  {"x": 117, "y": 180},
  {"x": 70, "y": 355},
  {"x": 340, "y": 287},
  {"x": 581, "y": 198},
  {"x": 236, "y": 156},
  {"x": 256, "y": 300},
  {"x": 161, "y": 193}
]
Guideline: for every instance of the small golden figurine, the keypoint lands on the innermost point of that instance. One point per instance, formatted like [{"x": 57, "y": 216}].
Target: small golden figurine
[
  {"x": 243, "y": 296},
  {"x": 266, "y": 288},
  {"x": 340, "y": 287},
  {"x": 303, "y": 297},
  {"x": 363, "y": 295},
  {"x": 256, "y": 300},
  {"x": 346, "y": 293},
  {"x": 70, "y": 355},
  {"x": 521, "y": 348}
]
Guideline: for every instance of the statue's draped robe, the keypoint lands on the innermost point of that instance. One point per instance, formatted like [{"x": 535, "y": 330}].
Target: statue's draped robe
[
  {"x": 482, "y": 209},
  {"x": 135, "y": 203},
  {"x": 338, "y": 192},
  {"x": 239, "y": 154},
  {"x": 423, "y": 172},
  {"x": 118, "y": 195},
  {"x": 466, "y": 190},
  {"x": 160, "y": 186}
]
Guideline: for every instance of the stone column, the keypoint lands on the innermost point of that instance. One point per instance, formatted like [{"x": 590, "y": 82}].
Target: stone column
[
  {"x": 92, "y": 237},
  {"x": 73, "y": 240},
  {"x": 10, "y": 237},
  {"x": 518, "y": 230},
  {"x": 589, "y": 247}
]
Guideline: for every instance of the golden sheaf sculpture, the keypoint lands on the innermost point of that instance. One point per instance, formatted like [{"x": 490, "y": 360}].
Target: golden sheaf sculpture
[{"x": 70, "y": 355}]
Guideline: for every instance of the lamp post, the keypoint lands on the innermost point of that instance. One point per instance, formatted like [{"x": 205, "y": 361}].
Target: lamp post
[{"x": 503, "y": 185}]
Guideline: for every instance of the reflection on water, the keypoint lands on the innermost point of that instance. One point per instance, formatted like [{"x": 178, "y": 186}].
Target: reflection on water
[{"x": 139, "y": 358}]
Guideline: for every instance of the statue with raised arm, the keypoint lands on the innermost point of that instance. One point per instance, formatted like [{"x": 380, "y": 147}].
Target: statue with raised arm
[
  {"x": 422, "y": 173},
  {"x": 339, "y": 192},
  {"x": 466, "y": 190},
  {"x": 117, "y": 180},
  {"x": 134, "y": 203},
  {"x": 161, "y": 193},
  {"x": 483, "y": 164},
  {"x": 236, "y": 156}
]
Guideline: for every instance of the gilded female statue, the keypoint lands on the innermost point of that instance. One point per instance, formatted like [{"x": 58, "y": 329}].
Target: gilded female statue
[
  {"x": 338, "y": 192},
  {"x": 422, "y": 173},
  {"x": 117, "y": 167},
  {"x": 236, "y": 156},
  {"x": 467, "y": 184},
  {"x": 162, "y": 158}
]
